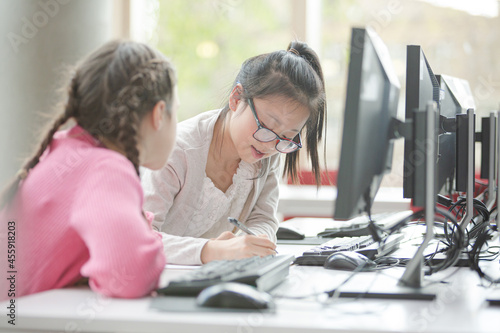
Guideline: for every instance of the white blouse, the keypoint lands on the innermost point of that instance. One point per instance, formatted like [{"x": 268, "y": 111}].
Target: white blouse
[
  {"x": 210, "y": 219},
  {"x": 189, "y": 210}
]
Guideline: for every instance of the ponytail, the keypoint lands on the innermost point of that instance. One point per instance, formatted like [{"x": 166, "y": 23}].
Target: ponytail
[
  {"x": 296, "y": 74},
  {"x": 317, "y": 120}
]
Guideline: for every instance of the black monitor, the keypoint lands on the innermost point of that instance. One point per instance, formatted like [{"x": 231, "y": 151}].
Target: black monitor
[
  {"x": 465, "y": 149},
  {"x": 367, "y": 138},
  {"x": 370, "y": 126},
  {"x": 421, "y": 87},
  {"x": 451, "y": 103},
  {"x": 487, "y": 137},
  {"x": 455, "y": 99}
]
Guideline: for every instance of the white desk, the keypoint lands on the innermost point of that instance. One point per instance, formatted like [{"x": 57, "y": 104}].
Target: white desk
[
  {"x": 459, "y": 308},
  {"x": 307, "y": 200}
]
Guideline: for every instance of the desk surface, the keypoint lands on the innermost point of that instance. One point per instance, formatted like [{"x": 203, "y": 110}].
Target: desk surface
[{"x": 459, "y": 307}]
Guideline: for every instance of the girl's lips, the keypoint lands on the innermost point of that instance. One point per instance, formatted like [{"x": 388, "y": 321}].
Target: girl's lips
[{"x": 257, "y": 154}]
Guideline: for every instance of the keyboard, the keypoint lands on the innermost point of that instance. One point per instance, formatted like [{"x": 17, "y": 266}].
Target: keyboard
[
  {"x": 264, "y": 273},
  {"x": 365, "y": 245},
  {"x": 358, "y": 226}
]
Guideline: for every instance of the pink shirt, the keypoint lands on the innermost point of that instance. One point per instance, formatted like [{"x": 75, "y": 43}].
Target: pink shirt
[{"x": 78, "y": 213}]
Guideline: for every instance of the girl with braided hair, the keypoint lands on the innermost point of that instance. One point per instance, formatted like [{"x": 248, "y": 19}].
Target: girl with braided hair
[
  {"x": 75, "y": 208},
  {"x": 226, "y": 162}
]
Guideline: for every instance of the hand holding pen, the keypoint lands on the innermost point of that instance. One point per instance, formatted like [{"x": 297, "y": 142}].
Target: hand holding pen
[
  {"x": 242, "y": 227},
  {"x": 228, "y": 246}
]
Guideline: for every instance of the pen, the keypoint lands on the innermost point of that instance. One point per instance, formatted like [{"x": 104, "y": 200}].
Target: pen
[{"x": 242, "y": 227}]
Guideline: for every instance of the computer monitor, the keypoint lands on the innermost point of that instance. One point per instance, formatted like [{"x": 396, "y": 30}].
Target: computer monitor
[
  {"x": 367, "y": 139},
  {"x": 487, "y": 137},
  {"x": 462, "y": 93},
  {"x": 465, "y": 177},
  {"x": 370, "y": 126},
  {"x": 421, "y": 87},
  {"x": 451, "y": 103}
]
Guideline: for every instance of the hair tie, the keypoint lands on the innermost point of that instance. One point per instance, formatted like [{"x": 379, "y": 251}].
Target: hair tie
[
  {"x": 22, "y": 174},
  {"x": 294, "y": 51}
]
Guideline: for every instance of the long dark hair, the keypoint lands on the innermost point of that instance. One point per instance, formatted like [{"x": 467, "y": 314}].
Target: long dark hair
[
  {"x": 110, "y": 92},
  {"x": 296, "y": 74}
]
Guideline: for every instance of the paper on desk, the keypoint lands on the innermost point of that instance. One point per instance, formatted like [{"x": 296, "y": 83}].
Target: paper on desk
[
  {"x": 183, "y": 267},
  {"x": 172, "y": 272}
]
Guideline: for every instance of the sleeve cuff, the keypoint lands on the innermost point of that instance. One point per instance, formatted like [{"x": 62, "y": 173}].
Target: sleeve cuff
[{"x": 182, "y": 250}]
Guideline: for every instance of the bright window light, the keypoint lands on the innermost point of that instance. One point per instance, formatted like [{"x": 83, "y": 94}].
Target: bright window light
[
  {"x": 144, "y": 20},
  {"x": 487, "y": 8}
]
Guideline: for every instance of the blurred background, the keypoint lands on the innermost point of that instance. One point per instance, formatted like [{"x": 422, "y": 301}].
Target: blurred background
[{"x": 209, "y": 39}]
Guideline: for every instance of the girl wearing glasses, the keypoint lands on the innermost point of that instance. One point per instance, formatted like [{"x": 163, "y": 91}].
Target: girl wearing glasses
[{"x": 226, "y": 163}]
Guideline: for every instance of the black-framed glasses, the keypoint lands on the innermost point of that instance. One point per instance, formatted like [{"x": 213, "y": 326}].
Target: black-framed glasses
[{"x": 264, "y": 134}]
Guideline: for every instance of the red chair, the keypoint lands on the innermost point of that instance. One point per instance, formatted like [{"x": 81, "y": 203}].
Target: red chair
[{"x": 306, "y": 177}]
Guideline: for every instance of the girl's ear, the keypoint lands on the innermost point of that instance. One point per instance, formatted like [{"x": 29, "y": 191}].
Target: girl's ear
[
  {"x": 158, "y": 115},
  {"x": 235, "y": 97}
]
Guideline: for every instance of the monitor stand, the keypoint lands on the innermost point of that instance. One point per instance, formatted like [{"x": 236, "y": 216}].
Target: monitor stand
[
  {"x": 425, "y": 132},
  {"x": 378, "y": 288},
  {"x": 469, "y": 203}
]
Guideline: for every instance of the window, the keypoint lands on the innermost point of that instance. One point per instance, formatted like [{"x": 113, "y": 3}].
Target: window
[{"x": 208, "y": 41}]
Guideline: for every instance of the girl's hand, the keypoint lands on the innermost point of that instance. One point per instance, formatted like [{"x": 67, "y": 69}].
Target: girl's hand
[{"x": 228, "y": 246}]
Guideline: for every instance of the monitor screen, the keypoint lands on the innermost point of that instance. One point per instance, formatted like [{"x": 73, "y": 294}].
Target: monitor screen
[
  {"x": 487, "y": 137},
  {"x": 455, "y": 99},
  {"x": 370, "y": 107},
  {"x": 421, "y": 87},
  {"x": 449, "y": 107},
  {"x": 465, "y": 152}
]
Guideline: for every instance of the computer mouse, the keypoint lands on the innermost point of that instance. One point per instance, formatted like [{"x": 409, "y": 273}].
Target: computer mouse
[
  {"x": 234, "y": 295},
  {"x": 348, "y": 261},
  {"x": 289, "y": 232}
]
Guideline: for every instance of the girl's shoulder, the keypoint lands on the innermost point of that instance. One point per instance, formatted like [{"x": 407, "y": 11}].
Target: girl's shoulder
[
  {"x": 76, "y": 148},
  {"x": 198, "y": 130}
]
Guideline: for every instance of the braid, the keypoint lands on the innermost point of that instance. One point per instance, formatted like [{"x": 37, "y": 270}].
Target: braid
[
  {"x": 69, "y": 111},
  {"x": 127, "y": 131},
  {"x": 135, "y": 99},
  {"x": 110, "y": 93}
]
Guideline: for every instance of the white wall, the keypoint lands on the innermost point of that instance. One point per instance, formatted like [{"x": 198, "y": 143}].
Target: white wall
[{"x": 38, "y": 39}]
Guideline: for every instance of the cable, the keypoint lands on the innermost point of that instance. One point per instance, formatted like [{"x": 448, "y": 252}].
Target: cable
[
  {"x": 456, "y": 242},
  {"x": 481, "y": 240},
  {"x": 480, "y": 232},
  {"x": 334, "y": 293}
]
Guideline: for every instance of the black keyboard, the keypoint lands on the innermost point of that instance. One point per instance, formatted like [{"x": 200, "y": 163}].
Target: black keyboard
[
  {"x": 340, "y": 244},
  {"x": 359, "y": 226},
  {"x": 264, "y": 273},
  {"x": 362, "y": 244}
]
